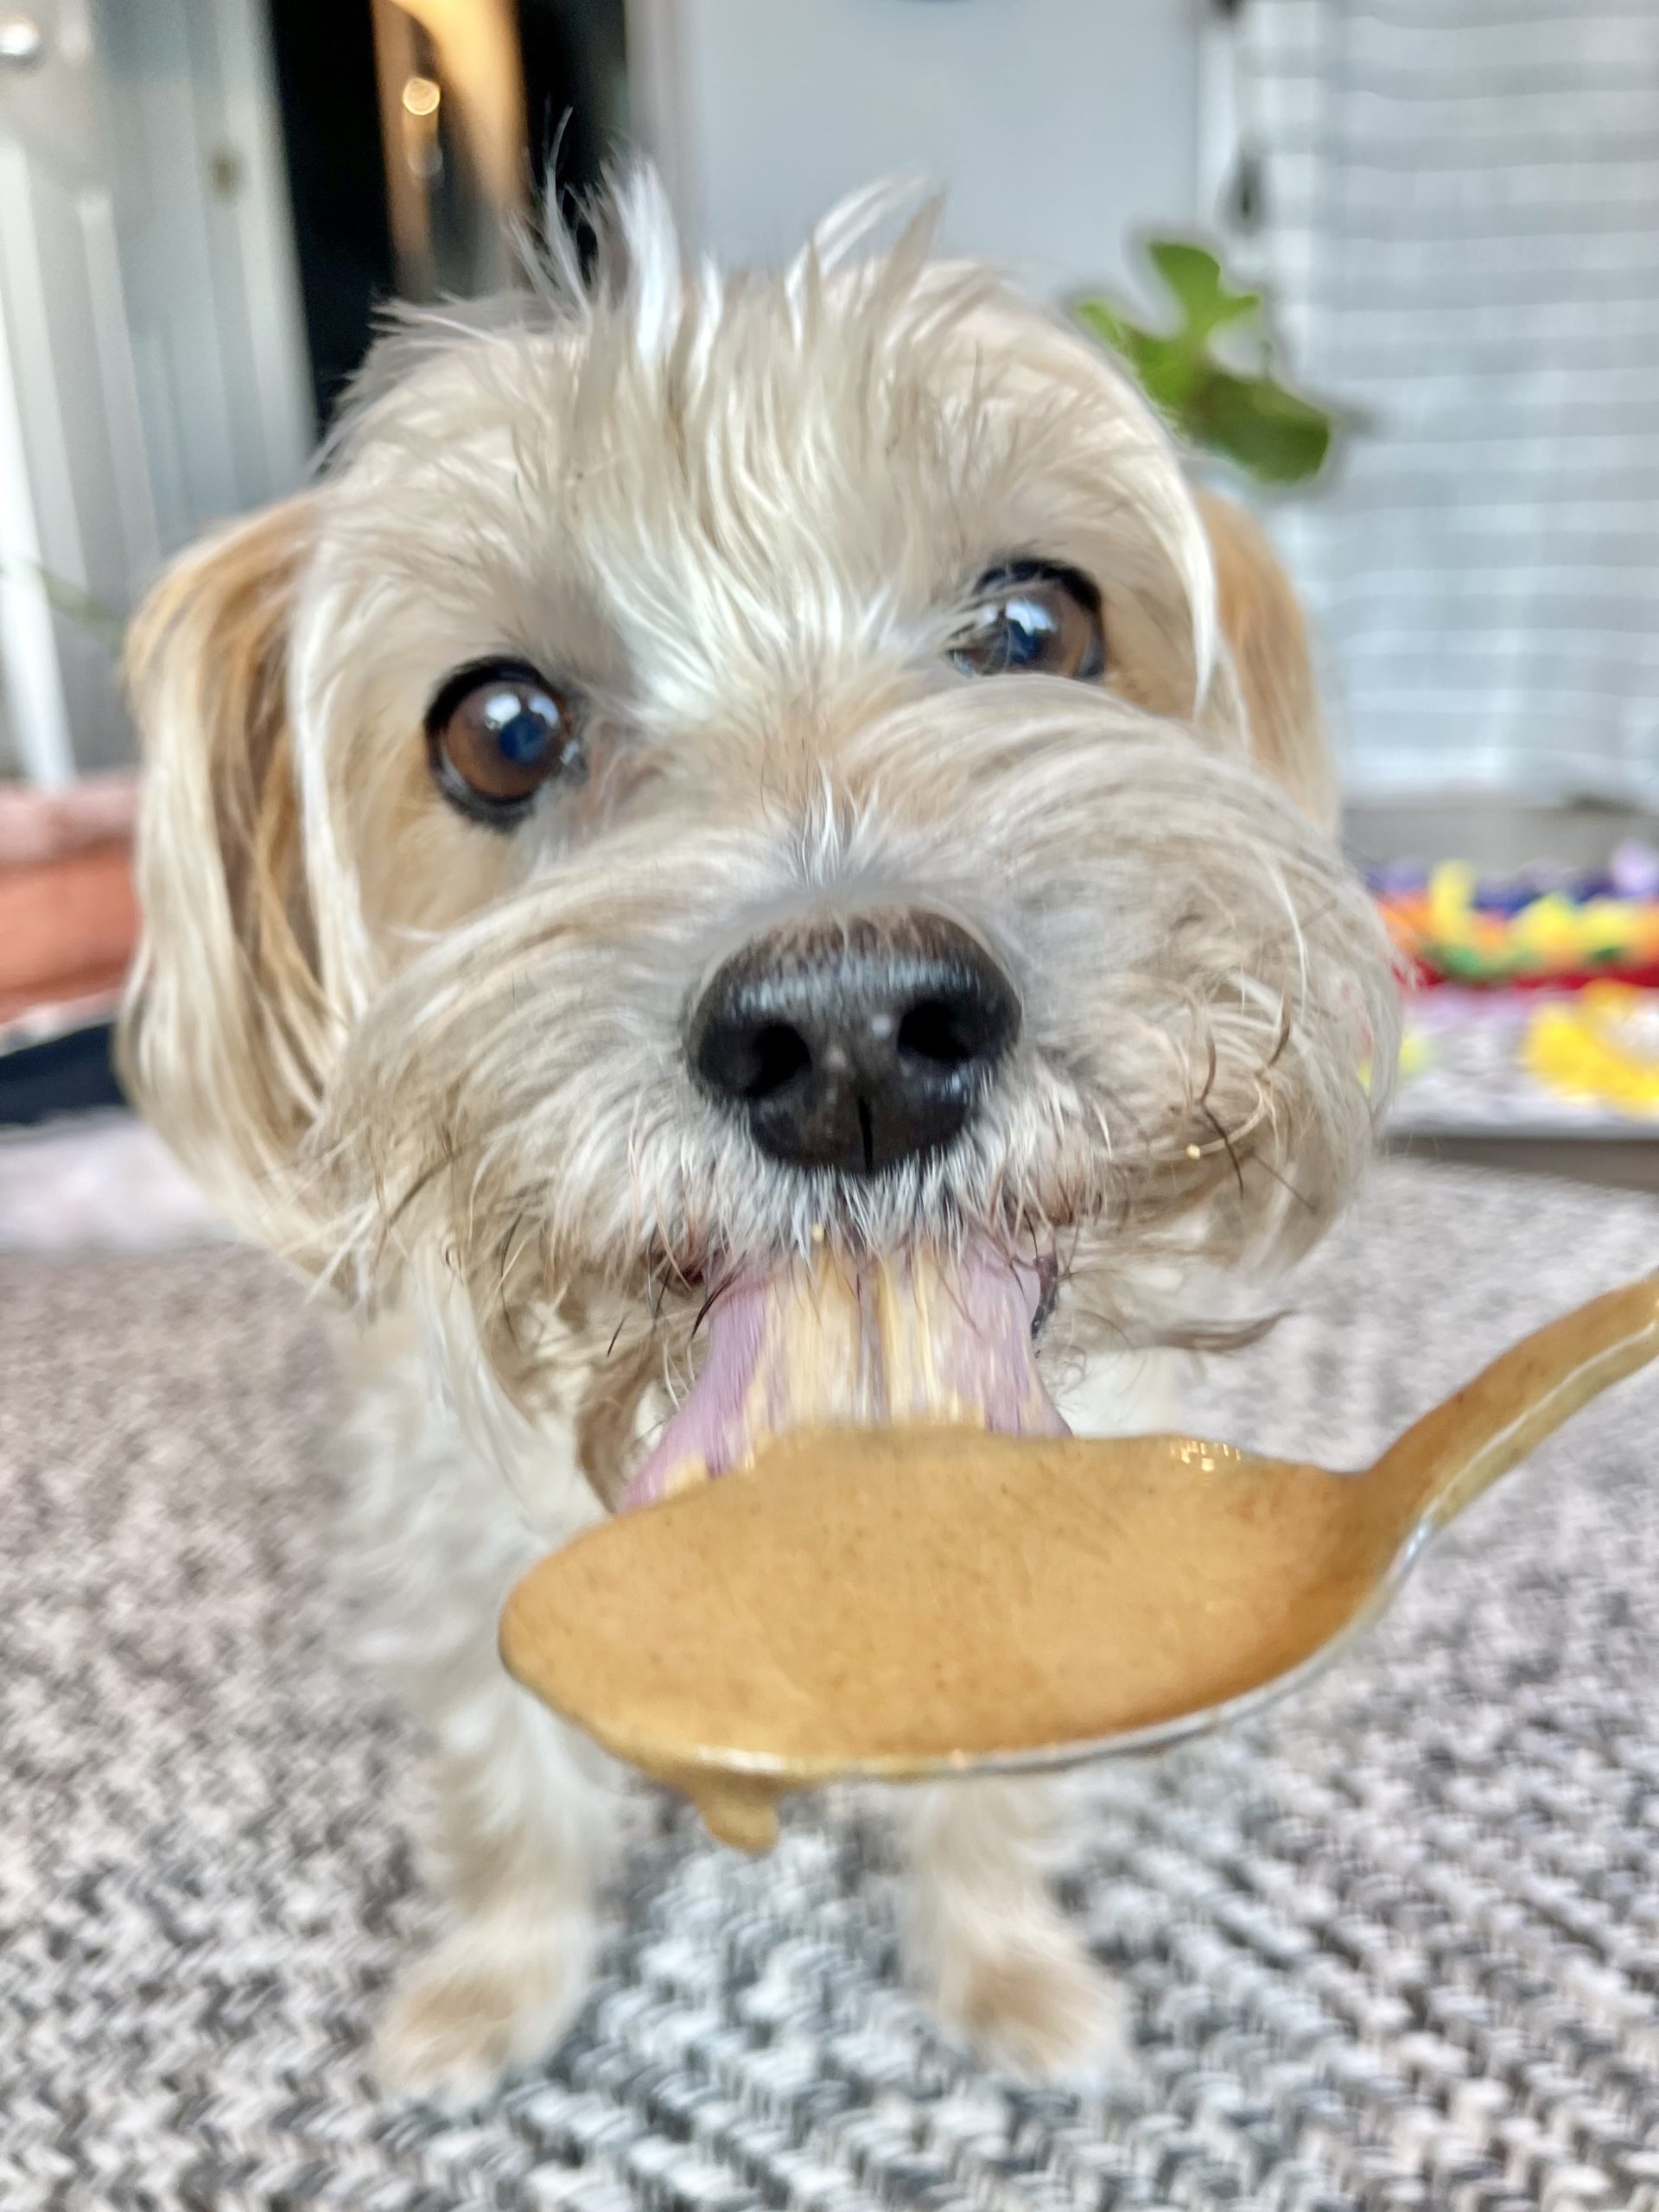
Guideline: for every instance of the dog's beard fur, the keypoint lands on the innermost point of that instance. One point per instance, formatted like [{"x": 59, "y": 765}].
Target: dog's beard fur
[{"x": 445, "y": 1067}]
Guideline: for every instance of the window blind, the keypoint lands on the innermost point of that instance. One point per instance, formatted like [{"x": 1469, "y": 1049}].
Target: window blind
[{"x": 1457, "y": 207}]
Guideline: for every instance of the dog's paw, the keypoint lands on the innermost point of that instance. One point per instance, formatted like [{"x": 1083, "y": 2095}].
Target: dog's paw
[
  {"x": 1029, "y": 2000},
  {"x": 477, "y": 2004}
]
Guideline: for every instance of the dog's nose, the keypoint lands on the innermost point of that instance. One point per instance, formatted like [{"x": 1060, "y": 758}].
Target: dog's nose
[{"x": 856, "y": 1046}]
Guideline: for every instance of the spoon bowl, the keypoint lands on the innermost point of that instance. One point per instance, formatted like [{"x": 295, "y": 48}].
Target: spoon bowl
[{"x": 910, "y": 1603}]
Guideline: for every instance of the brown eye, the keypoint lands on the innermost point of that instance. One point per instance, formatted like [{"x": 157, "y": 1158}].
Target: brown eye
[
  {"x": 495, "y": 734},
  {"x": 1033, "y": 618}
]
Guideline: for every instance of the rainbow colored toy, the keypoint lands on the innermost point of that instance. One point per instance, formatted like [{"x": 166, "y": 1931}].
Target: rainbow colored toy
[
  {"x": 1600, "y": 1045},
  {"x": 1541, "y": 930}
]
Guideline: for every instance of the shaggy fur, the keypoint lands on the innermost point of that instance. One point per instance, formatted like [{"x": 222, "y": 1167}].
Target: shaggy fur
[{"x": 443, "y": 1067}]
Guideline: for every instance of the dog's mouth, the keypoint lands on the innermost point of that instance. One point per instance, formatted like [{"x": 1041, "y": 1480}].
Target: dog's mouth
[{"x": 836, "y": 1342}]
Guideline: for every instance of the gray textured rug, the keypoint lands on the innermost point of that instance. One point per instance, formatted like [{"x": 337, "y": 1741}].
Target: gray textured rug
[{"x": 1398, "y": 1946}]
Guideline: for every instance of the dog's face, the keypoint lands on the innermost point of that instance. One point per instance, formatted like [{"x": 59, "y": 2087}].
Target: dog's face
[{"x": 718, "y": 770}]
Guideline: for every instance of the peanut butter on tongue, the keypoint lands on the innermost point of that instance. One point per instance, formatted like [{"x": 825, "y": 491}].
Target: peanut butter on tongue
[{"x": 830, "y": 1343}]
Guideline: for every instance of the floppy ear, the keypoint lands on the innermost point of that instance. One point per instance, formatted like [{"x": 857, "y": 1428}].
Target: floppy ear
[
  {"x": 224, "y": 1033},
  {"x": 1268, "y": 642}
]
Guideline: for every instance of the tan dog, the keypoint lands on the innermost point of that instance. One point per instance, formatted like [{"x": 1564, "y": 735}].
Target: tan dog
[{"x": 714, "y": 765}]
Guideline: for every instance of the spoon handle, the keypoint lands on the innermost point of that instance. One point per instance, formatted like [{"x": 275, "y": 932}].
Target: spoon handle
[{"x": 1443, "y": 1463}]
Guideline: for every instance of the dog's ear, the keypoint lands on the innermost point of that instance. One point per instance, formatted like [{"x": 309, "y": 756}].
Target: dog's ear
[
  {"x": 1267, "y": 641},
  {"x": 224, "y": 1033}
]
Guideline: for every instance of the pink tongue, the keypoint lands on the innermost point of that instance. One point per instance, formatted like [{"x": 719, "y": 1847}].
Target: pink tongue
[{"x": 827, "y": 1345}]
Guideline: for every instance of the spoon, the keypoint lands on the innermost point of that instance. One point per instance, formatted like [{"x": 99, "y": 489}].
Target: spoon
[{"x": 910, "y": 1603}]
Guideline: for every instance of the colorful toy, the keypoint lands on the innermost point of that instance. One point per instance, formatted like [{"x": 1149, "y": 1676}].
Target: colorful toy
[
  {"x": 1543, "y": 929},
  {"x": 1603, "y": 1044}
]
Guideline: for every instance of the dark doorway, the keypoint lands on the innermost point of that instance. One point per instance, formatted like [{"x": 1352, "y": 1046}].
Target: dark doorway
[{"x": 328, "y": 80}]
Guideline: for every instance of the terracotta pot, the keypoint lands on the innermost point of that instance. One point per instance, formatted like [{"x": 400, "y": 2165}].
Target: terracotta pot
[{"x": 69, "y": 919}]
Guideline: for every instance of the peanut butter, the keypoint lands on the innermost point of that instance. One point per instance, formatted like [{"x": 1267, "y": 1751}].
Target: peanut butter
[{"x": 921, "y": 1601}]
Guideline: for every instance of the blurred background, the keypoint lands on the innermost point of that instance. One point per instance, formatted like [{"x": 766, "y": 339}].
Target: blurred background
[{"x": 1450, "y": 209}]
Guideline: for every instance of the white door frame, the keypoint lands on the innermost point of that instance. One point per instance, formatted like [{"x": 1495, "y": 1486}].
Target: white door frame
[
  {"x": 37, "y": 721},
  {"x": 224, "y": 159}
]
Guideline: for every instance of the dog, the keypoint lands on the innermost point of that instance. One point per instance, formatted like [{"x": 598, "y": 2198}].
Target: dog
[{"x": 715, "y": 767}]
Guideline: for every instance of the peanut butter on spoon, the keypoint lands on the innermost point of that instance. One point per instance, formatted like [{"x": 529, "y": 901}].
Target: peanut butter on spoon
[{"x": 923, "y": 1601}]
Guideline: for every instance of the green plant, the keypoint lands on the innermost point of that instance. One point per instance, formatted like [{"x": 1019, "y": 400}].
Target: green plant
[
  {"x": 1234, "y": 407},
  {"x": 76, "y": 605},
  {"x": 80, "y": 608}
]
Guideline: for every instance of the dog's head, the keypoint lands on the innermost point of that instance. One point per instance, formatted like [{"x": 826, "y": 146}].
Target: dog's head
[{"x": 716, "y": 770}]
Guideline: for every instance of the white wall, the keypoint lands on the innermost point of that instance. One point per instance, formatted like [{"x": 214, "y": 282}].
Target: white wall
[{"x": 1062, "y": 127}]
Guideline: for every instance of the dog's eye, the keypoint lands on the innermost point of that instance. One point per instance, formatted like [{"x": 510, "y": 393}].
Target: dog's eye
[
  {"x": 495, "y": 734},
  {"x": 1033, "y": 618}
]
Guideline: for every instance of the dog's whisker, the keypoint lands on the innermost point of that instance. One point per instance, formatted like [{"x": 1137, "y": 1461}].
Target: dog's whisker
[
  {"x": 710, "y": 1303},
  {"x": 1260, "y": 1159}
]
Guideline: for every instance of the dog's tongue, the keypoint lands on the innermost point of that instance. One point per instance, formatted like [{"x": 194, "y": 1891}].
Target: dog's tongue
[{"x": 830, "y": 1344}]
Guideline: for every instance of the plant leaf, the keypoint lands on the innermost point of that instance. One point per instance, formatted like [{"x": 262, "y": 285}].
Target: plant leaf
[
  {"x": 1194, "y": 275},
  {"x": 1108, "y": 325},
  {"x": 1245, "y": 417},
  {"x": 1276, "y": 436},
  {"x": 77, "y": 606},
  {"x": 1170, "y": 369},
  {"x": 1165, "y": 368}
]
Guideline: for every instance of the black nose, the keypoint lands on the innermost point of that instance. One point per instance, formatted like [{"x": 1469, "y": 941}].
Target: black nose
[{"x": 858, "y": 1045}]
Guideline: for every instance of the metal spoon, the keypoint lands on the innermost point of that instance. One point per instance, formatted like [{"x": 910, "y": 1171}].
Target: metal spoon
[{"x": 913, "y": 1603}]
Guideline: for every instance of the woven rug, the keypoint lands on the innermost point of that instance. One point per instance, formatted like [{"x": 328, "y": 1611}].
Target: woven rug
[{"x": 1396, "y": 1945}]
